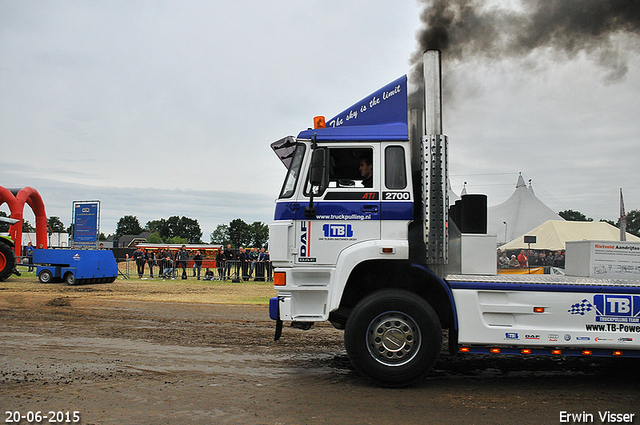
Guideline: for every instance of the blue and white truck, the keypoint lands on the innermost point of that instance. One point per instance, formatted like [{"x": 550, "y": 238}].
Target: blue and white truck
[{"x": 386, "y": 262}]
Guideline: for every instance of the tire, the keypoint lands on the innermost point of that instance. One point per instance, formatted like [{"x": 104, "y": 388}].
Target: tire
[
  {"x": 8, "y": 261},
  {"x": 70, "y": 278},
  {"x": 45, "y": 276},
  {"x": 393, "y": 337}
]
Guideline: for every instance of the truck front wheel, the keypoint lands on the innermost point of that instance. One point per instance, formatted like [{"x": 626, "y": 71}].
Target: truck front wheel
[{"x": 393, "y": 337}]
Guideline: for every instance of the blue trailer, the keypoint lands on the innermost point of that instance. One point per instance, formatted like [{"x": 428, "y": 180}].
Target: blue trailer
[{"x": 75, "y": 265}]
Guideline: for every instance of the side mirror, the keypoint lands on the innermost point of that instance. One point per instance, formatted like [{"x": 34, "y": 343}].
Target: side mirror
[
  {"x": 317, "y": 179},
  {"x": 316, "y": 175}
]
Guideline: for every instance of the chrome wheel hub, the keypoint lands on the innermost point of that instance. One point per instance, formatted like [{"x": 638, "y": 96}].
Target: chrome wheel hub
[{"x": 393, "y": 338}]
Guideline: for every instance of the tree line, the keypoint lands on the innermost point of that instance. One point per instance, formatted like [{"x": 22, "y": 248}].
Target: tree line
[
  {"x": 238, "y": 233},
  {"x": 54, "y": 225},
  {"x": 633, "y": 220},
  {"x": 187, "y": 230}
]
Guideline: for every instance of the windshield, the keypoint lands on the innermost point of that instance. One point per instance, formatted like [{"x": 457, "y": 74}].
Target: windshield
[{"x": 290, "y": 182}]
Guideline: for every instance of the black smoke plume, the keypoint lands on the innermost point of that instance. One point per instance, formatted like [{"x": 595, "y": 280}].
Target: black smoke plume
[{"x": 476, "y": 30}]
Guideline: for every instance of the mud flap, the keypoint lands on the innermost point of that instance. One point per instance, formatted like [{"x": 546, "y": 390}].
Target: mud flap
[
  {"x": 274, "y": 313},
  {"x": 278, "y": 330}
]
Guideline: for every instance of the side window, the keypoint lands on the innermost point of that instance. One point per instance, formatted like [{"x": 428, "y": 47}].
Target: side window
[
  {"x": 351, "y": 167},
  {"x": 347, "y": 168},
  {"x": 395, "y": 168},
  {"x": 289, "y": 186}
]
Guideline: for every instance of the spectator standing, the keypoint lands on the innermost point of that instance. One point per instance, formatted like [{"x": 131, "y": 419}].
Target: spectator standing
[
  {"x": 513, "y": 263},
  {"x": 260, "y": 266},
  {"x": 523, "y": 261},
  {"x": 244, "y": 263},
  {"x": 160, "y": 261},
  {"x": 253, "y": 259},
  {"x": 220, "y": 263},
  {"x": 29, "y": 253},
  {"x": 197, "y": 263},
  {"x": 140, "y": 258},
  {"x": 267, "y": 262},
  {"x": 503, "y": 261},
  {"x": 151, "y": 261},
  {"x": 535, "y": 260},
  {"x": 543, "y": 259},
  {"x": 230, "y": 259},
  {"x": 183, "y": 258}
]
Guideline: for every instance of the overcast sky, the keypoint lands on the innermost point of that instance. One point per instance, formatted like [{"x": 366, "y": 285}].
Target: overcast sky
[{"x": 162, "y": 108}]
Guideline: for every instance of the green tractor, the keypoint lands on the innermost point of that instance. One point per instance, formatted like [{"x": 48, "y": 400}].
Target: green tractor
[{"x": 8, "y": 259}]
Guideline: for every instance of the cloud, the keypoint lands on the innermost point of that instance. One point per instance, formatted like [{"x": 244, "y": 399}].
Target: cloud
[
  {"x": 168, "y": 108},
  {"x": 210, "y": 208}
]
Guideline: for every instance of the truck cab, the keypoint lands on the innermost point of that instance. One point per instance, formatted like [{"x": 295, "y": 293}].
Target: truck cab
[
  {"x": 329, "y": 218},
  {"x": 325, "y": 216}
]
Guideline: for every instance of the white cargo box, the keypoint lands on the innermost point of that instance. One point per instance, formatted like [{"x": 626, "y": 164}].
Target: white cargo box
[
  {"x": 603, "y": 259},
  {"x": 478, "y": 254}
]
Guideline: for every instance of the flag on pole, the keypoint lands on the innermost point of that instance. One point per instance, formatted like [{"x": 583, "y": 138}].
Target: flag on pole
[{"x": 623, "y": 219}]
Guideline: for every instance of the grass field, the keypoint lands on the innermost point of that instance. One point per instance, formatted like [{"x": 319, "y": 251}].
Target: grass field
[{"x": 178, "y": 290}]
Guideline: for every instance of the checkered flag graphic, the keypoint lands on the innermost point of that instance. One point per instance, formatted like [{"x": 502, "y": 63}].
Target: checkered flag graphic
[{"x": 581, "y": 308}]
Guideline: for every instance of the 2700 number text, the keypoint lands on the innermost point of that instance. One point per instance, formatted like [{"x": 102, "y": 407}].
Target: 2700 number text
[{"x": 396, "y": 196}]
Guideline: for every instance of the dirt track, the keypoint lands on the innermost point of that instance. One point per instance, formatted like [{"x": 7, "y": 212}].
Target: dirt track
[{"x": 97, "y": 350}]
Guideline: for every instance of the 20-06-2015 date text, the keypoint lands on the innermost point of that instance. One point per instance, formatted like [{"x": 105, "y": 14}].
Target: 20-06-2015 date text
[{"x": 39, "y": 417}]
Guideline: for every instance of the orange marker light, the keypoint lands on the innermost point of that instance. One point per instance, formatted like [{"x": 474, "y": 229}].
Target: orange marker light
[
  {"x": 538, "y": 309},
  {"x": 495, "y": 350},
  {"x": 617, "y": 353},
  {"x": 464, "y": 349},
  {"x": 587, "y": 352},
  {"x": 525, "y": 351},
  {"x": 318, "y": 122},
  {"x": 279, "y": 279},
  {"x": 557, "y": 352}
]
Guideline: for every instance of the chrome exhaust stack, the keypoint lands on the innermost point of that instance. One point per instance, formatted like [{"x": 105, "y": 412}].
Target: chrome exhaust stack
[
  {"x": 433, "y": 91},
  {"x": 434, "y": 166}
]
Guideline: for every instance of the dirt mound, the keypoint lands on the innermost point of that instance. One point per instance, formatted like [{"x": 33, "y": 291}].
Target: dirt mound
[{"x": 59, "y": 302}]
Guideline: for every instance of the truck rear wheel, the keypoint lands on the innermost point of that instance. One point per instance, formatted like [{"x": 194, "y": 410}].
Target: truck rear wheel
[
  {"x": 70, "y": 278},
  {"x": 45, "y": 276},
  {"x": 7, "y": 261},
  {"x": 393, "y": 337}
]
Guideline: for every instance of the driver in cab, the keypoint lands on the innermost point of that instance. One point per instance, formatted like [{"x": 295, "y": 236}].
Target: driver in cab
[{"x": 366, "y": 171}]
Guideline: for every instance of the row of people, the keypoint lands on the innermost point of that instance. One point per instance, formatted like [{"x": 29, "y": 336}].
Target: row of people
[
  {"x": 166, "y": 261},
  {"x": 242, "y": 263},
  {"x": 525, "y": 260}
]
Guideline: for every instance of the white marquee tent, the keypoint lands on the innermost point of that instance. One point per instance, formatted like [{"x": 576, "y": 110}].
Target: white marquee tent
[
  {"x": 553, "y": 234},
  {"x": 522, "y": 212}
]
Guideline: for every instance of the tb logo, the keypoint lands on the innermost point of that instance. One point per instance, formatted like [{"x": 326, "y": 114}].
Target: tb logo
[
  {"x": 337, "y": 230},
  {"x": 617, "y": 305}
]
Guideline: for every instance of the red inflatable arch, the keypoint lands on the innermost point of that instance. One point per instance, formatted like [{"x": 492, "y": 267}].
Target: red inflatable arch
[{"x": 16, "y": 198}]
